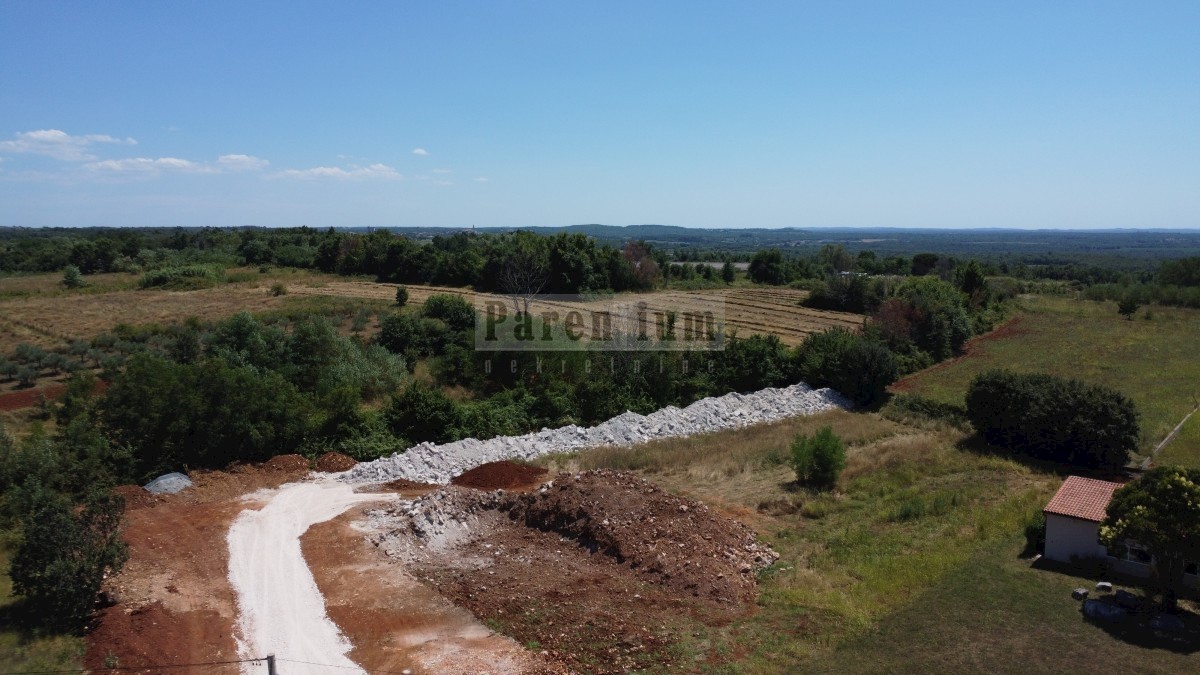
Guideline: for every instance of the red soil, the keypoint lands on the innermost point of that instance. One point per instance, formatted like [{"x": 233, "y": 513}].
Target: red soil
[
  {"x": 334, "y": 462},
  {"x": 503, "y": 475}
]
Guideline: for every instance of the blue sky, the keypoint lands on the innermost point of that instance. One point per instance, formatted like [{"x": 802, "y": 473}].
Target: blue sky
[{"x": 704, "y": 114}]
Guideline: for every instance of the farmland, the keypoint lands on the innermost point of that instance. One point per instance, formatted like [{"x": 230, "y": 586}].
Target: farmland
[
  {"x": 1152, "y": 359},
  {"x": 38, "y": 311}
]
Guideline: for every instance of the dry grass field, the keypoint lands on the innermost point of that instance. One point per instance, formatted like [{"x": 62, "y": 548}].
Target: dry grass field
[
  {"x": 37, "y": 310},
  {"x": 774, "y": 311}
]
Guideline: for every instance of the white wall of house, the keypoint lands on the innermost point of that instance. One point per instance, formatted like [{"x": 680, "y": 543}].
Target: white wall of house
[{"x": 1067, "y": 537}]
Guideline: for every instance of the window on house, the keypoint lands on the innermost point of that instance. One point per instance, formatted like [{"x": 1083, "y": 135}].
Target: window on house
[{"x": 1137, "y": 554}]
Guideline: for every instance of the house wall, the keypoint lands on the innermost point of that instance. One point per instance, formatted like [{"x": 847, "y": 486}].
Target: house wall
[{"x": 1067, "y": 537}]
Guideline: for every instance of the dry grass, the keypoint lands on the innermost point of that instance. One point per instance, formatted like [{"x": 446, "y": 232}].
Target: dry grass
[{"x": 775, "y": 311}]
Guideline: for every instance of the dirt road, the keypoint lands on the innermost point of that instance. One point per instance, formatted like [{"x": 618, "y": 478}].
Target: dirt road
[{"x": 280, "y": 609}]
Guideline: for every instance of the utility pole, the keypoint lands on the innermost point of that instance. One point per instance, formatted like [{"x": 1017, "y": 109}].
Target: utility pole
[{"x": 271, "y": 664}]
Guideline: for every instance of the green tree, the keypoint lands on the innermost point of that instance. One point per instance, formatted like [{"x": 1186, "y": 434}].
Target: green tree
[
  {"x": 401, "y": 296},
  {"x": 73, "y": 278},
  {"x": 421, "y": 413},
  {"x": 1127, "y": 306},
  {"x": 767, "y": 267},
  {"x": 728, "y": 274},
  {"x": 818, "y": 460},
  {"x": 1160, "y": 511},
  {"x": 63, "y": 555}
]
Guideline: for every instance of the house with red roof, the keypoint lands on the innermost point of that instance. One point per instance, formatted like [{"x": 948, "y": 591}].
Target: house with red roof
[{"x": 1073, "y": 520}]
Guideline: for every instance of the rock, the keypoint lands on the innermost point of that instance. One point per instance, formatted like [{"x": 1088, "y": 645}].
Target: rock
[
  {"x": 169, "y": 484},
  {"x": 1098, "y": 610},
  {"x": 1104, "y": 587},
  {"x": 1079, "y": 594},
  {"x": 429, "y": 463}
]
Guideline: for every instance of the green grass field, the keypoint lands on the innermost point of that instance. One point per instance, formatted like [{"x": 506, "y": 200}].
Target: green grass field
[{"x": 1155, "y": 361}]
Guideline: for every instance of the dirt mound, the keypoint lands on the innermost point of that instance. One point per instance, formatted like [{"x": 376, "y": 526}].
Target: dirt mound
[
  {"x": 286, "y": 463},
  {"x": 334, "y": 462},
  {"x": 678, "y": 541},
  {"x": 502, "y": 475},
  {"x": 620, "y": 567},
  {"x": 137, "y": 497}
]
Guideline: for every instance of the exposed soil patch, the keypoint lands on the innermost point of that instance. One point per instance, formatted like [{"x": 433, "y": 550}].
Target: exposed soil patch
[
  {"x": 502, "y": 475},
  {"x": 602, "y": 569},
  {"x": 174, "y": 604},
  {"x": 393, "y": 620},
  {"x": 334, "y": 462},
  {"x": 152, "y": 635},
  {"x": 28, "y": 398}
]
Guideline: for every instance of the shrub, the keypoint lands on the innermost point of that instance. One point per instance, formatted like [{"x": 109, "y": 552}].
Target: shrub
[
  {"x": 278, "y": 289},
  {"x": 819, "y": 460},
  {"x": 182, "y": 277},
  {"x": 1054, "y": 419},
  {"x": 1035, "y": 533},
  {"x": 1128, "y": 306},
  {"x": 72, "y": 277},
  {"x": 456, "y": 312},
  {"x": 401, "y": 296}
]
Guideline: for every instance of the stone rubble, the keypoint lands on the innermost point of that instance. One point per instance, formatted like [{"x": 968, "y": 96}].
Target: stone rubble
[{"x": 431, "y": 463}]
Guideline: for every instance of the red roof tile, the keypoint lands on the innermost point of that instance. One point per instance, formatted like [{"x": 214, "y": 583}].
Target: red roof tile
[{"x": 1084, "y": 498}]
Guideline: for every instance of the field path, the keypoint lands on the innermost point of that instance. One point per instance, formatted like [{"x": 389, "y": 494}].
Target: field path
[{"x": 280, "y": 609}]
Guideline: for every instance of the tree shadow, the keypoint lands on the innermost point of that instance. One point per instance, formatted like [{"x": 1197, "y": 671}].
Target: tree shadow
[
  {"x": 1145, "y": 626},
  {"x": 976, "y": 444}
]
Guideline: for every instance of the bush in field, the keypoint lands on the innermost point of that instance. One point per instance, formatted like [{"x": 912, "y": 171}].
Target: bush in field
[
  {"x": 72, "y": 277},
  {"x": 64, "y": 555},
  {"x": 401, "y": 296},
  {"x": 1128, "y": 306},
  {"x": 818, "y": 460},
  {"x": 456, "y": 312},
  {"x": 182, "y": 277},
  {"x": 1053, "y": 418}
]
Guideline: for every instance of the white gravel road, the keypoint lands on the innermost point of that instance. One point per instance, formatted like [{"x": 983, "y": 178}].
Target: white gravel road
[{"x": 280, "y": 609}]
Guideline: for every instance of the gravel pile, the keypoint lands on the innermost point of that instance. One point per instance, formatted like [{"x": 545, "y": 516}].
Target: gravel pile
[{"x": 430, "y": 463}]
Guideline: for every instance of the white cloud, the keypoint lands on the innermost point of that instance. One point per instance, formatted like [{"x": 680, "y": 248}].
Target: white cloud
[
  {"x": 150, "y": 165},
  {"x": 59, "y": 144},
  {"x": 482, "y": 179},
  {"x": 442, "y": 171},
  {"x": 241, "y": 163},
  {"x": 420, "y": 151},
  {"x": 371, "y": 172}
]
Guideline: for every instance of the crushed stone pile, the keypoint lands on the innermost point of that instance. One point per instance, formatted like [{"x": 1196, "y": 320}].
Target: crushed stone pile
[
  {"x": 671, "y": 541},
  {"x": 430, "y": 463}
]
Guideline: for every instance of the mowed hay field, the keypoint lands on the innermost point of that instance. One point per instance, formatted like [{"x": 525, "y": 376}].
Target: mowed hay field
[
  {"x": 38, "y": 310},
  {"x": 1155, "y": 361},
  {"x": 913, "y": 564},
  {"x": 766, "y": 310}
]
